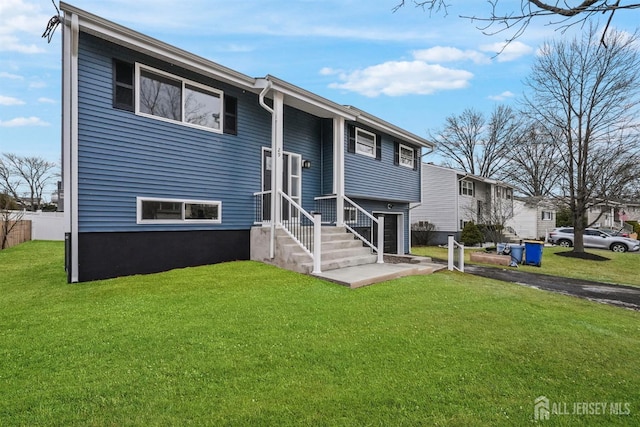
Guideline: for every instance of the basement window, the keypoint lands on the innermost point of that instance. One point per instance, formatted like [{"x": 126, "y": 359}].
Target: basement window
[{"x": 151, "y": 210}]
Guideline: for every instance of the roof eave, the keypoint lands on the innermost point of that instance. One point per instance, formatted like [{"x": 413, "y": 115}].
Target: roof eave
[{"x": 107, "y": 30}]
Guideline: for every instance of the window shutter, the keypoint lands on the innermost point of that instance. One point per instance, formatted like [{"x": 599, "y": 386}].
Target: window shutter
[
  {"x": 396, "y": 153},
  {"x": 230, "y": 115},
  {"x": 416, "y": 158},
  {"x": 378, "y": 147},
  {"x": 123, "y": 85},
  {"x": 351, "y": 147}
]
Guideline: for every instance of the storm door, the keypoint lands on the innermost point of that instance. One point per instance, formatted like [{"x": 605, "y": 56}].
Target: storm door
[{"x": 291, "y": 183}]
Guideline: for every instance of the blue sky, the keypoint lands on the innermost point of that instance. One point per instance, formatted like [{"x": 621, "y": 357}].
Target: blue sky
[{"x": 408, "y": 68}]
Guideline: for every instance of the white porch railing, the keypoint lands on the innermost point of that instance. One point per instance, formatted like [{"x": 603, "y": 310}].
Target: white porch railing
[
  {"x": 358, "y": 221},
  {"x": 455, "y": 255},
  {"x": 303, "y": 227}
]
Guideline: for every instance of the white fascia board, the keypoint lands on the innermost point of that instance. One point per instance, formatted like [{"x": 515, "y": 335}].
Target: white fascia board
[
  {"x": 311, "y": 100},
  {"x": 136, "y": 41},
  {"x": 390, "y": 129}
]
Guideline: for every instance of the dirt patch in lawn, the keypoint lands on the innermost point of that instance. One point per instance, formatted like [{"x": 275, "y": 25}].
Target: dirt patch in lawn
[{"x": 583, "y": 255}]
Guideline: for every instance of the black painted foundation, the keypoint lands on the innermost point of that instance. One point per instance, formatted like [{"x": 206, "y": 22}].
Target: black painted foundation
[{"x": 107, "y": 255}]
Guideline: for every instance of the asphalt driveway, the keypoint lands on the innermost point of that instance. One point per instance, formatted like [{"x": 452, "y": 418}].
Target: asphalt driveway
[{"x": 618, "y": 295}]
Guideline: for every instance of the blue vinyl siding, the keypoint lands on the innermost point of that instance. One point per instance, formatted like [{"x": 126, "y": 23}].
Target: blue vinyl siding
[
  {"x": 302, "y": 135},
  {"x": 367, "y": 177},
  {"x": 122, "y": 156}
]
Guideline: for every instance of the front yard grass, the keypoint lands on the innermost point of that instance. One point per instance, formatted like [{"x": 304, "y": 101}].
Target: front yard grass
[
  {"x": 622, "y": 268},
  {"x": 244, "y": 343}
]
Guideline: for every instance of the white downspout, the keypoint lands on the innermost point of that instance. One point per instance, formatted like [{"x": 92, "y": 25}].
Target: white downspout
[
  {"x": 272, "y": 233},
  {"x": 70, "y": 137},
  {"x": 277, "y": 139},
  {"x": 338, "y": 173}
]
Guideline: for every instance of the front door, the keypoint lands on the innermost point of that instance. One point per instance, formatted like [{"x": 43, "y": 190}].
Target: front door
[
  {"x": 390, "y": 233},
  {"x": 291, "y": 183}
]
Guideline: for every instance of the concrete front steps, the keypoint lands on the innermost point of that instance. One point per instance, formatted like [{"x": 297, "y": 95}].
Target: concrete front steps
[
  {"x": 510, "y": 237},
  {"x": 344, "y": 258},
  {"x": 340, "y": 249}
]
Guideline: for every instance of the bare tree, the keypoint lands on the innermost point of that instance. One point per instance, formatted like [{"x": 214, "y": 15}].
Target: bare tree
[
  {"x": 585, "y": 96},
  {"x": 32, "y": 172},
  {"x": 532, "y": 165},
  {"x": 516, "y": 19},
  {"x": 468, "y": 142},
  {"x": 8, "y": 220}
]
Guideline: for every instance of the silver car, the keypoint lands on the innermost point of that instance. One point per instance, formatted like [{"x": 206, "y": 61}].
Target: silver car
[{"x": 594, "y": 239}]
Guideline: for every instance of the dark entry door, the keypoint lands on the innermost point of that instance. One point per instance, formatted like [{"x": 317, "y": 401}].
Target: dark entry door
[{"x": 390, "y": 234}]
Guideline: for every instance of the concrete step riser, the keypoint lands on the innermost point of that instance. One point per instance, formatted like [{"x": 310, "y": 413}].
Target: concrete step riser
[{"x": 332, "y": 255}]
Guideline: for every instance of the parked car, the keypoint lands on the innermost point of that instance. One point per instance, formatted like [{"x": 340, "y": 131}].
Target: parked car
[
  {"x": 594, "y": 238},
  {"x": 615, "y": 231}
]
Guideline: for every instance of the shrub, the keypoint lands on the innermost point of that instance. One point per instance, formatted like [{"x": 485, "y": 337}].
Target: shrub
[
  {"x": 422, "y": 233},
  {"x": 471, "y": 234}
]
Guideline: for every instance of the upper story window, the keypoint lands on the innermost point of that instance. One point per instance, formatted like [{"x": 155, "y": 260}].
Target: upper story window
[
  {"x": 176, "y": 211},
  {"x": 547, "y": 216},
  {"x": 168, "y": 97},
  {"x": 152, "y": 92},
  {"x": 467, "y": 188},
  {"x": 504, "y": 193},
  {"x": 364, "y": 142},
  {"x": 407, "y": 156}
]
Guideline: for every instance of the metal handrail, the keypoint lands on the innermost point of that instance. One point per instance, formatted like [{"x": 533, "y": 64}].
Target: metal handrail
[{"x": 379, "y": 249}]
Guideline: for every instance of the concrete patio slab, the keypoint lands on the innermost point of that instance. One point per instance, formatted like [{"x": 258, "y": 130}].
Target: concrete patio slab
[{"x": 363, "y": 275}]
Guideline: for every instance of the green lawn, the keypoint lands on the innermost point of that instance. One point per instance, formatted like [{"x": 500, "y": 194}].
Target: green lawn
[
  {"x": 248, "y": 344},
  {"x": 622, "y": 268}
]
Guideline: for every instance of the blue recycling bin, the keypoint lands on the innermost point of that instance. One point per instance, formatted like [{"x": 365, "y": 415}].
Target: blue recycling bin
[
  {"x": 533, "y": 252},
  {"x": 500, "y": 248},
  {"x": 516, "y": 254}
]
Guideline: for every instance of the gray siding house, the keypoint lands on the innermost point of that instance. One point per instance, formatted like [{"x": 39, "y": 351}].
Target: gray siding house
[
  {"x": 451, "y": 198},
  {"x": 533, "y": 218},
  {"x": 170, "y": 160}
]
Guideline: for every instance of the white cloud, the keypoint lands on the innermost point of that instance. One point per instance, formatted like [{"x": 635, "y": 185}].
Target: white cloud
[
  {"x": 504, "y": 95},
  {"x": 46, "y": 100},
  {"x": 37, "y": 85},
  {"x": 7, "y": 100},
  {"x": 328, "y": 71},
  {"x": 23, "y": 121},
  {"x": 508, "y": 52},
  {"x": 21, "y": 24},
  {"x": 5, "y": 75},
  {"x": 450, "y": 54},
  {"x": 397, "y": 78},
  {"x": 13, "y": 44}
]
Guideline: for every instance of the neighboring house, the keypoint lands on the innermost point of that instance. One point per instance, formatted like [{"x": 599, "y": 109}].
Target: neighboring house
[
  {"x": 170, "y": 160},
  {"x": 628, "y": 211},
  {"x": 533, "y": 217},
  {"x": 451, "y": 198},
  {"x": 604, "y": 215}
]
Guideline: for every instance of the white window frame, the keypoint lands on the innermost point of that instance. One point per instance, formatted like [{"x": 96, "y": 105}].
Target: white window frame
[
  {"x": 184, "y": 82},
  {"x": 184, "y": 202},
  {"x": 401, "y": 158},
  {"x": 467, "y": 188},
  {"x": 547, "y": 215},
  {"x": 358, "y": 143}
]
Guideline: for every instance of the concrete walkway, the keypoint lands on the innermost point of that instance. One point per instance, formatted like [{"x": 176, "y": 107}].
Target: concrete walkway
[{"x": 618, "y": 295}]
